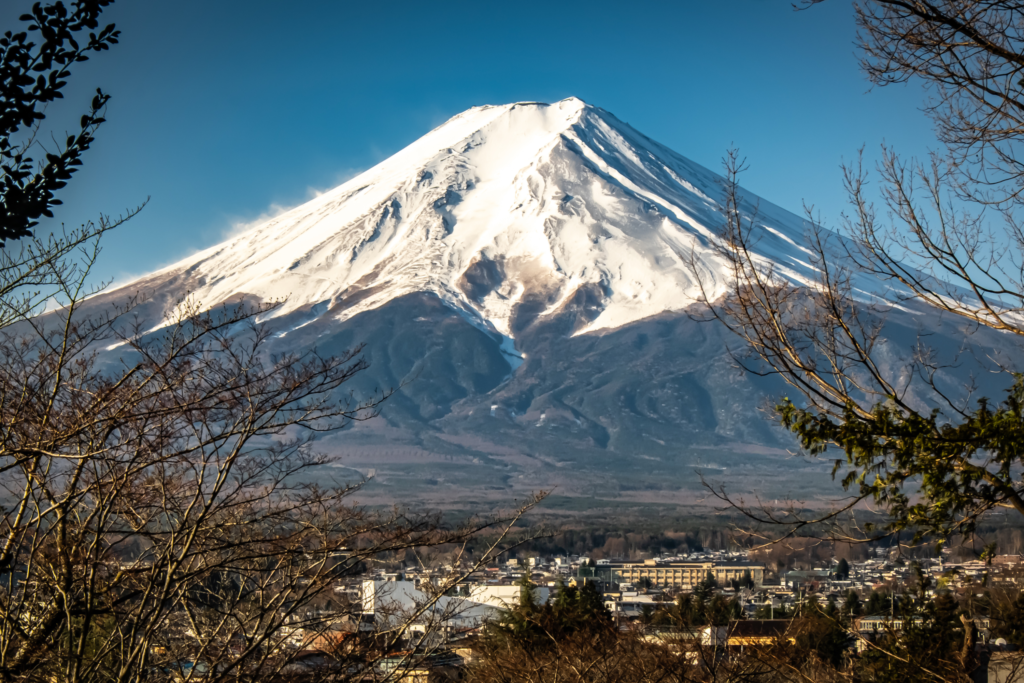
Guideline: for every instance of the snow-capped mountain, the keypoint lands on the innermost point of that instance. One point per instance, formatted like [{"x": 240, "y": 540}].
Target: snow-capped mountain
[
  {"x": 520, "y": 273},
  {"x": 497, "y": 205}
]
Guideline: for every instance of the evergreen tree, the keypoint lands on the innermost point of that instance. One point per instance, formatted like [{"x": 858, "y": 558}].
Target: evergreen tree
[
  {"x": 564, "y": 599},
  {"x": 852, "y": 605},
  {"x": 527, "y": 597},
  {"x": 843, "y": 570},
  {"x": 706, "y": 588},
  {"x": 520, "y": 621},
  {"x": 822, "y": 632},
  {"x": 932, "y": 638},
  {"x": 591, "y": 604},
  {"x": 831, "y": 610},
  {"x": 570, "y": 610},
  {"x": 877, "y": 603},
  {"x": 684, "y": 610}
]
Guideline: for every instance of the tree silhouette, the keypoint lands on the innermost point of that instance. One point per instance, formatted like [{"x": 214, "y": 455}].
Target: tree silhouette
[{"x": 33, "y": 75}]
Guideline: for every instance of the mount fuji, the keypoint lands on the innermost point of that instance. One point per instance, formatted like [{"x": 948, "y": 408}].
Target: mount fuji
[{"x": 519, "y": 274}]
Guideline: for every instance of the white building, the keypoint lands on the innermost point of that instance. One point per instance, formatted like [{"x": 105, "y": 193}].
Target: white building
[
  {"x": 394, "y": 602},
  {"x": 504, "y": 597}
]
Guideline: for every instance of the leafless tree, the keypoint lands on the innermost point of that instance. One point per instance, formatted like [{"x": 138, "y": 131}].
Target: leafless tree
[
  {"x": 969, "y": 55},
  {"x": 164, "y": 510},
  {"x": 633, "y": 654},
  {"x": 948, "y": 239},
  {"x": 167, "y": 516}
]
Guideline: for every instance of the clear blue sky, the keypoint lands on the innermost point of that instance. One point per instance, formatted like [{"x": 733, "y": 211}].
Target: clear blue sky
[{"x": 224, "y": 110}]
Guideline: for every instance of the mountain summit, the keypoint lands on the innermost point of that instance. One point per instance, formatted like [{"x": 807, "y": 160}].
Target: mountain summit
[
  {"x": 518, "y": 274},
  {"x": 505, "y": 213}
]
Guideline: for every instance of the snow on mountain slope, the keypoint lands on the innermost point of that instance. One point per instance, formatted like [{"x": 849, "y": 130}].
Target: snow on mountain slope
[{"x": 498, "y": 204}]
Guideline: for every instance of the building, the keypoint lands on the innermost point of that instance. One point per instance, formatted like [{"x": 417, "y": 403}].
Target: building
[
  {"x": 794, "y": 579},
  {"x": 684, "y": 575},
  {"x": 504, "y": 597},
  {"x": 1000, "y": 667},
  {"x": 874, "y": 624},
  {"x": 870, "y": 625},
  {"x": 760, "y": 632},
  {"x": 438, "y": 666},
  {"x": 394, "y": 603},
  {"x": 390, "y": 596}
]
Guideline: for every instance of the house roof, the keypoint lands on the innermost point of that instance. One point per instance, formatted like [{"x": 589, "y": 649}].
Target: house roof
[{"x": 759, "y": 628}]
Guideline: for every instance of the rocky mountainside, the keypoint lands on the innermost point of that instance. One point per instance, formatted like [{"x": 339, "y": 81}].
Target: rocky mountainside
[{"x": 519, "y": 272}]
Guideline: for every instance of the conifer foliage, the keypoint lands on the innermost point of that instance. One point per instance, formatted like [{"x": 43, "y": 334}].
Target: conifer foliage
[{"x": 571, "y": 610}]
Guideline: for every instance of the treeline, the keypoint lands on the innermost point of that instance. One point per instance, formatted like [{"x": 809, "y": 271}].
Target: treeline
[
  {"x": 607, "y": 543},
  {"x": 632, "y": 542},
  {"x": 796, "y": 553}
]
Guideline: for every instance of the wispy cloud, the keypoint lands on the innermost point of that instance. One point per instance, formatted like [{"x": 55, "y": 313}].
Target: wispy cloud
[
  {"x": 233, "y": 226},
  {"x": 239, "y": 225}
]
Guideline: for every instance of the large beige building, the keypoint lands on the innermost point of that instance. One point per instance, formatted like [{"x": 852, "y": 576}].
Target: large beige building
[{"x": 685, "y": 575}]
